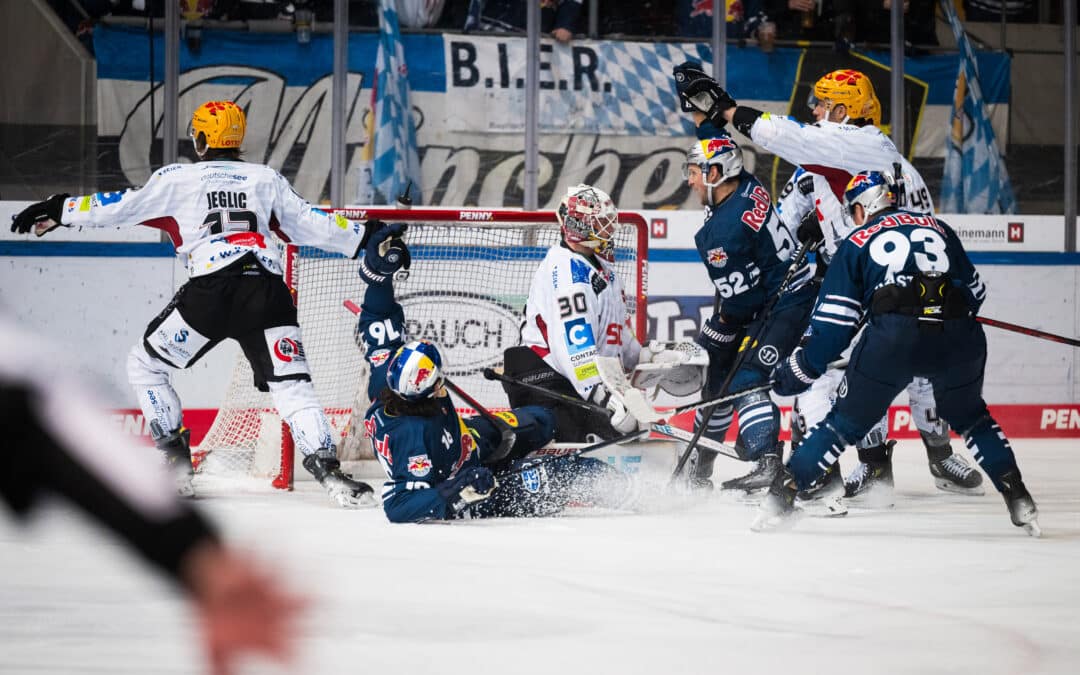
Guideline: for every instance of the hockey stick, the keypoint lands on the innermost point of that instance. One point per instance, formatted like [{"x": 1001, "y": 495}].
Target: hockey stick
[
  {"x": 662, "y": 428},
  {"x": 1033, "y": 332},
  {"x": 766, "y": 314}
]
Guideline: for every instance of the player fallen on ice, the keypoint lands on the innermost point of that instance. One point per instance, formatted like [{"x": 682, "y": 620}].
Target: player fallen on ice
[
  {"x": 221, "y": 213},
  {"x": 911, "y": 274},
  {"x": 440, "y": 466},
  {"x": 843, "y": 141},
  {"x": 576, "y": 333}
]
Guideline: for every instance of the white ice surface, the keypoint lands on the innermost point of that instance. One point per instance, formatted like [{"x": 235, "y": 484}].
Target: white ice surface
[{"x": 937, "y": 584}]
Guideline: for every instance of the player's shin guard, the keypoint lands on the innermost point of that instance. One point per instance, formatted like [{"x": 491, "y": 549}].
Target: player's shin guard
[
  {"x": 991, "y": 450},
  {"x": 149, "y": 377},
  {"x": 818, "y": 453}
]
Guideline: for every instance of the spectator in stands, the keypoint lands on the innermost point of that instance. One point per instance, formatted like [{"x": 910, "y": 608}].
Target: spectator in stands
[
  {"x": 815, "y": 20},
  {"x": 873, "y": 22},
  {"x": 744, "y": 19},
  {"x": 559, "y": 18},
  {"x": 1016, "y": 11}
]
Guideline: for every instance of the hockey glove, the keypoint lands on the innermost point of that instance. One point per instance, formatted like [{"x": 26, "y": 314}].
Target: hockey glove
[
  {"x": 471, "y": 486},
  {"x": 621, "y": 419},
  {"x": 793, "y": 375},
  {"x": 809, "y": 231},
  {"x": 721, "y": 340},
  {"x": 384, "y": 254},
  {"x": 700, "y": 93},
  {"x": 42, "y": 216}
]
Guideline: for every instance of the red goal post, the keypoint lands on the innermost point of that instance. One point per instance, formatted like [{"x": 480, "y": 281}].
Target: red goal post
[{"x": 471, "y": 271}]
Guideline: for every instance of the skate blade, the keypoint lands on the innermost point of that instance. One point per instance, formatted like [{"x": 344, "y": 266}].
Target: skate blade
[
  {"x": 770, "y": 522},
  {"x": 1033, "y": 529},
  {"x": 826, "y": 507},
  {"x": 953, "y": 488}
]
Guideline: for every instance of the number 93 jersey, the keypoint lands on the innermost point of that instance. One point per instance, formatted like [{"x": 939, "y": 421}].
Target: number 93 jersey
[
  {"x": 576, "y": 311},
  {"x": 216, "y": 212},
  {"x": 889, "y": 249}
]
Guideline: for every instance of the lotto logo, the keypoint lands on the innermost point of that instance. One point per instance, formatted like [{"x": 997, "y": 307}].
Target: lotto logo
[{"x": 1016, "y": 233}]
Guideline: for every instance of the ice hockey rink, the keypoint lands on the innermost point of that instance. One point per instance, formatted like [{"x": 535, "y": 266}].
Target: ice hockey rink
[{"x": 937, "y": 584}]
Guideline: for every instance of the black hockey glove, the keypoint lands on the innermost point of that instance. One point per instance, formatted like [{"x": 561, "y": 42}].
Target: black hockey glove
[
  {"x": 42, "y": 216},
  {"x": 809, "y": 231},
  {"x": 384, "y": 254},
  {"x": 700, "y": 93},
  {"x": 721, "y": 341},
  {"x": 469, "y": 487},
  {"x": 793, "y": 375}
]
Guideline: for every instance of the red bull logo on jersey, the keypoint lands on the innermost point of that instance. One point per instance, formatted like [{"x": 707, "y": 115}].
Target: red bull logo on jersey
[
  {"x": 717, "y": 257},
  {"x": 419, "y": 465}
]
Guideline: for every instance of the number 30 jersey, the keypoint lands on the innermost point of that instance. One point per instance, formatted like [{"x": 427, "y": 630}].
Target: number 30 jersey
[
  {"x": 576, "y": 311},
  {"x": 216, "y": 212},
  {"x": 889, "y": 249}
]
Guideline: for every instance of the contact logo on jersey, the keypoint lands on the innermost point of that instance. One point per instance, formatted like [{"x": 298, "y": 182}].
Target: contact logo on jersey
[
  {"x": 579, "y": 336},
  {"x": 289, "y": 350},
  {"x": 717, "y": 257}
]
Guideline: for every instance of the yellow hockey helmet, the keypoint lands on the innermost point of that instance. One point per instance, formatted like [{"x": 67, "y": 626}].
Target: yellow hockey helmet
[
  {"x": 854, "y": 90},
  {"x": 222, "y": 123}
]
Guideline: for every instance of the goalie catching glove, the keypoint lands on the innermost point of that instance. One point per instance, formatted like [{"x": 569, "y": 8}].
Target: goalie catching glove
[
  {"x": 42, "y": 217},
  {"x": 678, "y": 369}
]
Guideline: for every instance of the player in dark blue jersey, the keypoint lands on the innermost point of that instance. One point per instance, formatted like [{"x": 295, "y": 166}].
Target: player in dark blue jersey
[
  {"x": 440, "y": 466},
  {"x": 747, "y": 252},
  {"x": 909, "y": 275}
]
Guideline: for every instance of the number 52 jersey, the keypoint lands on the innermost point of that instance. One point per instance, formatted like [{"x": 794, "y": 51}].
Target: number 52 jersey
[{"x": 216, "y": 212}]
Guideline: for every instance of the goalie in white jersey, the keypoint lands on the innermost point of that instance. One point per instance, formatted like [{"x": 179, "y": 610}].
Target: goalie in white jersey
[
  {"x": 576, "y": 317},
  {"x": 222, "y": 212}
]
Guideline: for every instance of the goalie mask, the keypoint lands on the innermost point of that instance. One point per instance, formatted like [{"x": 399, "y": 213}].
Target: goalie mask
[
  {"x": 220, "y": 124},
  {"x": 588, "y": 217},
  {"x": 851, "y": 88},
  {"x": 722, "y": 152},
  {"x": 873, "y": 190},
  {"x": 415, "y": 371}
]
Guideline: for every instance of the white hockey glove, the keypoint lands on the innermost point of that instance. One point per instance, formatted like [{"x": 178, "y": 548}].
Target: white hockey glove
[
  {"x": 621, "y": 419},
  {"x": 626, "y": 397},
  {"x": 678, "y": 369}
]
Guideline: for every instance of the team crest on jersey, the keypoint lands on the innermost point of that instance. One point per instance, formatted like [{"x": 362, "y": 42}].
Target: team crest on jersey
[
  {"x": 289, "y": 350},
  {"x": 530, "y": 478},
  {"x": 379, "y": 357},
  {"x": 579, "y": 271},
  {"x": 419, "y": 465},
  {"x": 718, "y": 257}
]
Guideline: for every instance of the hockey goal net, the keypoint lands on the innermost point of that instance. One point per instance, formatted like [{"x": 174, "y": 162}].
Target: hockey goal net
[{"x": 467, "y": 287}]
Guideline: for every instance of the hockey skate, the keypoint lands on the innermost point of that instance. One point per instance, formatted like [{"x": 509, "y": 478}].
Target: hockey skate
[
  {"x": 952, "y": 473},
  {"x": 341, "y": 487},
  {"x": 871, "y": 481},
  {"x": 761, "y": 476},
  {"x": 1022, "y": 509},
  {"x": 777, "y": 510},
  {"x": 177, "y": 449},
  {"x": 825, "y": 497},
  {"x": 699, "y": 475}
]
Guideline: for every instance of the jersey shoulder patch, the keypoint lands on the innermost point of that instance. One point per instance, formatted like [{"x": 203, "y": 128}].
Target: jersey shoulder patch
[{"x": 579, "y": 271}]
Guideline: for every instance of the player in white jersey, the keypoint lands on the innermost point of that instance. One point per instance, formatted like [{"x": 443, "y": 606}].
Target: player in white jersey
[
  {"x": 576, "y": 312},
  {"x": 222, "y": 213},
  {"x": 844, "y": 141}
]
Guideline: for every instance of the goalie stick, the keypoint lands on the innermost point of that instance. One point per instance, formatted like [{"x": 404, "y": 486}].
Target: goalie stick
[{"x": 766, "y": 314}]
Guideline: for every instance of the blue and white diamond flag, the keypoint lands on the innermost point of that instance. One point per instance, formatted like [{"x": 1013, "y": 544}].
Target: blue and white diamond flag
[
  {"x": 396, "y": 161},
  {"x": 975, "y": 178}
]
